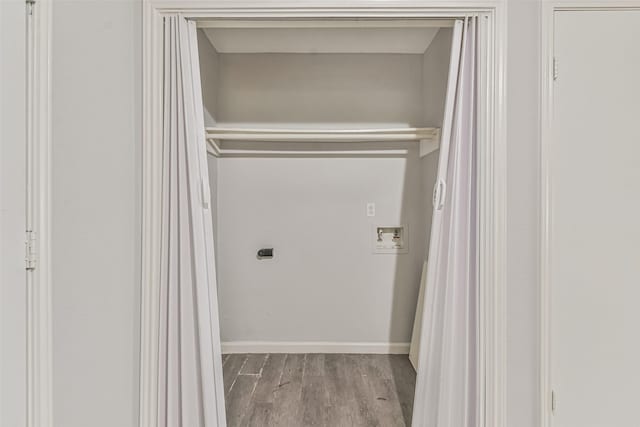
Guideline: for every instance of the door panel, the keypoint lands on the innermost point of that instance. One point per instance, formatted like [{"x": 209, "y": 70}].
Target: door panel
[
  {"x": 594, "y": 166},
  {"x": 13, "y": 342}
]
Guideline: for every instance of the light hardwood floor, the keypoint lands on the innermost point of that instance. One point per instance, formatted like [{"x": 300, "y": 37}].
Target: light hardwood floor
[{"x": 332, "y": 390}]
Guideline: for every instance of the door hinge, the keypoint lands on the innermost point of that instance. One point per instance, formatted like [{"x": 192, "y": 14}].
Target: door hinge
[
  {"x": 555, "y": 68},
  {"x": 553, "y": 401},
  {"x": 30, "y": 251},
  {"x": 30, "y": 6}
]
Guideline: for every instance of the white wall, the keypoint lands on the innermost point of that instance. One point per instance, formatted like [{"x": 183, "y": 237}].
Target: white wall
[
  {"x": 109, "y": 392},
  {"x": 399, "y": 89},
  {"x": 209, "y": 77},
  {"x": 208, "y": 57},
  {"x": 96, "y": 212},
  {"x": 212, "y": 163},
  {"x": 320, "y": 88},
  {"x": 523, "y": 88},
  {"x": 12, "y": 215},
  {"x": 435, "y": 70},
  {"x": 324, "y": 283}
]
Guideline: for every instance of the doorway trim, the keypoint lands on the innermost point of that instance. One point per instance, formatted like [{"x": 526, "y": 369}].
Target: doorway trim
[
  {"x": 549, "y": 9},
  {"x": 492, "y": 168},
  {"x": 39, "y": 351}
]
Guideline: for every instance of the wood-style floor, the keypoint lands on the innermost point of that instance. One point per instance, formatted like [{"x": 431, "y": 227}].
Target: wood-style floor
[{"x": 332, "y": 390}]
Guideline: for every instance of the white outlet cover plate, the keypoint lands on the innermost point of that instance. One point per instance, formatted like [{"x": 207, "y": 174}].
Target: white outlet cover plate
[{"x": 371, "y": 209}]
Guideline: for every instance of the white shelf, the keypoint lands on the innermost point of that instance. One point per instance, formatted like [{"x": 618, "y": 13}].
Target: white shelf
[
  {"x": 429, "y": 138},
  {"x": 321, "y": 135}
]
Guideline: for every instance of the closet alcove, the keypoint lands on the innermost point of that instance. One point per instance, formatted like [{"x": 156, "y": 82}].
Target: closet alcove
[{"x": 321, "y": 136}]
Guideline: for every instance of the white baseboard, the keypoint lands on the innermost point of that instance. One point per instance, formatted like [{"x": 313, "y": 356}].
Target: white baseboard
[{"x": 231, "y": 347}]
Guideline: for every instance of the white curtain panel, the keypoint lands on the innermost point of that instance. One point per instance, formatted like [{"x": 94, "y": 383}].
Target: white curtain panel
[
  {"x": 449, "y": 346},
  {"x": 190, "y": 369}
]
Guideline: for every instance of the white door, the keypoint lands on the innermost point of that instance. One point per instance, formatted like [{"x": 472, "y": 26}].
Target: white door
[
  {"x": 12, "y": 215},
  {"x": 594, "y": 183}
]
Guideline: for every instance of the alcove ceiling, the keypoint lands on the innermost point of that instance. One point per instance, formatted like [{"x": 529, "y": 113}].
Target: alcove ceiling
[{"x": 336, "y": 37}]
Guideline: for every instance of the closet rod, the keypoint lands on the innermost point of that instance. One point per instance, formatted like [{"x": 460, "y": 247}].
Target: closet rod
[{"x": 322, "y": 135}]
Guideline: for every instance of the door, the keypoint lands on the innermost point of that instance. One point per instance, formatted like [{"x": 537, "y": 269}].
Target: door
[
  {"x": 13, "y": 342},
  {"x": 594, "y": 187}
]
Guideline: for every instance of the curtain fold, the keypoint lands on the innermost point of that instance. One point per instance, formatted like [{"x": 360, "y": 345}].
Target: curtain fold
[
  {"x": 190, "y": 369},
  {"x": 449, "y": 344}
]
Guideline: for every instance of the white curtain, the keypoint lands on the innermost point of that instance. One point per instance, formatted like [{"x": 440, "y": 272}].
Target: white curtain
[
  {"x": 190, "y": 369},
  {"x": 449, "y": 349}
]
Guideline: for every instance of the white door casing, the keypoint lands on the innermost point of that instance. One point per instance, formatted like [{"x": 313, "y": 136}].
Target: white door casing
[
  {"x": 492, "y": 166},
  {"x": 25, "y": 159}
]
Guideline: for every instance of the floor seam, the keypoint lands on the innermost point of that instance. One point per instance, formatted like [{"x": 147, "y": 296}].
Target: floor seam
[{"x": 238, "y": 374}]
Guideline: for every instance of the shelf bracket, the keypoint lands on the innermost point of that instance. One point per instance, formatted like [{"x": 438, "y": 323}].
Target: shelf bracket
[
  {"x": 213, "y": 148},
  {"x": 428, "y": 146}
]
